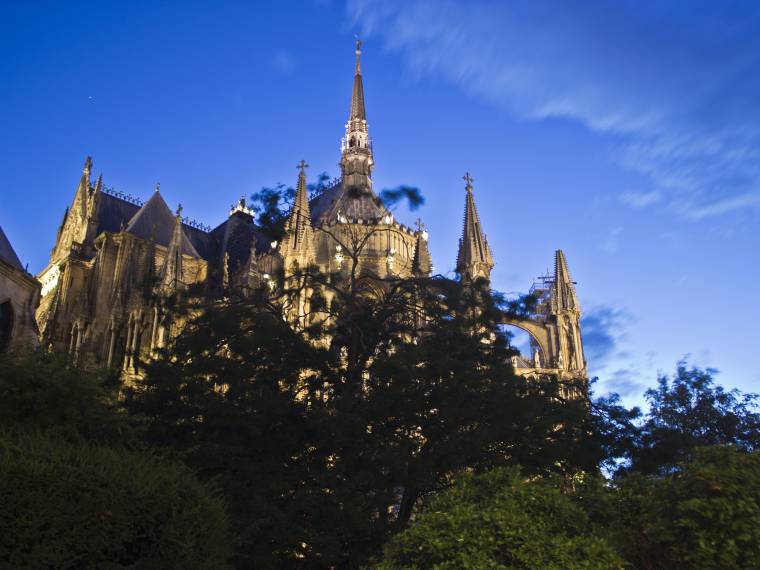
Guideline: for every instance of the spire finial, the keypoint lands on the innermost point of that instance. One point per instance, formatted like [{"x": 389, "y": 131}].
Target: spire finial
[
  {"x": 358, "y": 54},
  {"x": 158, "y": 186},
  {"x": 468, "y": 180},
  {"x": 303, "y": 166},
  {"x": 87, "y": 165},
  {"x": 419, "y": 224},
  {"x": 179, "y": 210}
]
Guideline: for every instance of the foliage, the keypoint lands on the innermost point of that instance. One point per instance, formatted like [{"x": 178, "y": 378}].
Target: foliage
[
  {"x": 707, "y": 515},
  {"x": 66, "y": 505},
  {"x": 325, "y": 437},
  {"x": 688, "y": 412},
  {"x": 501, "y": 519},
  {"x": 272, "y": 204},
  {"x": 42, "y": 391},
  {"x": 392, "y": 196},
  {"x": 227, "y": 400}
]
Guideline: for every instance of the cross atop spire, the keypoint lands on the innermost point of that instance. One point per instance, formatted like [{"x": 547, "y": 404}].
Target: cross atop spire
[
  {"x": 468, "y": 180},
  {"x": 302, "y": 165},
  {"x": 179, "y": 209},
  {"x": 358, "y": 55},
  {"x": 420, "y": 225}
]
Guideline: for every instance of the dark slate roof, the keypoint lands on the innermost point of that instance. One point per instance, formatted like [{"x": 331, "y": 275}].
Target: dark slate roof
[
  {"x": 236, "y": 235},
  {"x": 155, "y": 220},
  {"x": 7, "y": 253},
  {"x": 356, "y": 203},
  {"x": 113, "y": 212},
  {"x": 202, "y": 241}
]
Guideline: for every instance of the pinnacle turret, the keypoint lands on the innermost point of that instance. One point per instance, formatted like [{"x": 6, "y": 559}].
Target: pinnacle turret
[
  {"x": 171, "y": 274},
  {"x": 474, "y": 259},
  {"x": 422, "y": 264},
  {"x": 298, "y": 226},
  {"x": 563, "y": 291}
]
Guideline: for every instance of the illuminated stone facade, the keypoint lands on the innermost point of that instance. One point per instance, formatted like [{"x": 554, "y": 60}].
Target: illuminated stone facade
[{"x": 117, "y": 261}]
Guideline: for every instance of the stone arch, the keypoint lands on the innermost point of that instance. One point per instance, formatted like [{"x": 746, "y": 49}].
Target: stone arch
[{"x": 537, "y": 332}]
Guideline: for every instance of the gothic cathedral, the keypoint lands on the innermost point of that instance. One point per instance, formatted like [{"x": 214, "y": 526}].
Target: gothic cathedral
[{"x": 117, "y": 261}]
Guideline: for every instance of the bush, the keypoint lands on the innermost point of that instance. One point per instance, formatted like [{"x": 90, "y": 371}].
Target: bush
[
  {"x": 501, "y": 520},
  {"x": 706, "y": 515},
  {"x": 65, "y": 505},
  {"x": 41, "y": 391}
]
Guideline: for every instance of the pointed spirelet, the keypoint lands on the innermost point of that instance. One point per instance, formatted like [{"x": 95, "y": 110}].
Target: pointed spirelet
[
  {"x": 83, "y": 190},
  {"x": 422, "y": 264},
  {"x": 564, "y": 297},
  {"x": 474, "y": 258},
  {"x": 98, "y": 184},
  {"x": 298, "y": 225},
  {"x": 171, "y": 274}
]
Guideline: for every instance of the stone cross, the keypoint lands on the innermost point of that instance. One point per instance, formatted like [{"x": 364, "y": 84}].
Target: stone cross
[
  {"x": 302, "y": 165},
  {"x": 468, "y": 179}
]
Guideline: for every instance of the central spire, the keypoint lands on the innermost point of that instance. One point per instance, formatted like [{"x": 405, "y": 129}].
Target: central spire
[
  {"x": 356, "y": 149},
  {"x": 357, "y": 96}
]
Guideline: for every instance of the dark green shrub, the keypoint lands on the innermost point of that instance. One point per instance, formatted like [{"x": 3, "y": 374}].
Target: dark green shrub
[
  {"x": 704, "y": 516},
  {"x": 41, "y": 391},
  {"x": 500, "y": 520},
  {"x": 65, "y": 505}
]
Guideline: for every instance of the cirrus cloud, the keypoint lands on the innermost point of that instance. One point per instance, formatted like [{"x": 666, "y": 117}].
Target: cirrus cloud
[{"x": 675, "y": 85}]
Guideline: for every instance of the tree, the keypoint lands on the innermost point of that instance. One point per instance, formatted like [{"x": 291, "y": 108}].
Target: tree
[
  {"x": 688, "y": 412},
  {"x": 74, "y": 505},
  {"x": 42, "y": 391},
  {"x": 704, "y": 516},
  {"x": 501, "y": 519},
  {"x": 326, "y": 437},
  {"x": 226, "y": 397}
]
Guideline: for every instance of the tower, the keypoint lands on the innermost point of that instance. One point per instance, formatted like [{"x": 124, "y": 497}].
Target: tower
[
  {"x": 566, "y": 313},
  {"x": 356, "y": 148}
]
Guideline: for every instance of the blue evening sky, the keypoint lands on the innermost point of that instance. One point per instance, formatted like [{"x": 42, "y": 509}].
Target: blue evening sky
[{"x": 626, "y": 133}]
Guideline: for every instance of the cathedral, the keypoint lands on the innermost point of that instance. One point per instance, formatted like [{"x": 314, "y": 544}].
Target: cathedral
[{"x": 117, "y": 261}]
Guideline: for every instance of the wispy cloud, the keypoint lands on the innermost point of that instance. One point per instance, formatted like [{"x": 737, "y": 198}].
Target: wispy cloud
[
  {"x": 604, "y": 329},
  {"x": 611, "y": 242},
  {"x": 678, "y": 85},
  {"x": 640, "y": 200}
]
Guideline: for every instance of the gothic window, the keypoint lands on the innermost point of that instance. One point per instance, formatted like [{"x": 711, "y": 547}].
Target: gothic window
[{"x": 6, "y": 324}]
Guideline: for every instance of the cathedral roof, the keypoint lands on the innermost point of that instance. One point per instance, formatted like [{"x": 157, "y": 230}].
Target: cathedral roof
[
  {"x": 155, "y": 220},
  {"x": 236, "y": 236},
  {"x": 113, "y": 212},
  {"x": 355, "y": 203},
  {"x": 7, "y": 254}
]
